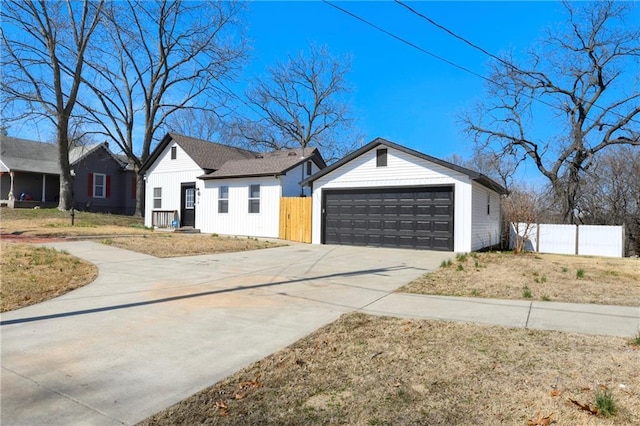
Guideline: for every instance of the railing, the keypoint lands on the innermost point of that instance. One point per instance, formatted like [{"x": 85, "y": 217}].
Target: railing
[{"x": 163, "y": 218}]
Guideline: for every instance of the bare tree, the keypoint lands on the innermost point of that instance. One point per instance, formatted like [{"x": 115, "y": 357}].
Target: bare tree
[
  {"x": 522, "y": 209},
  {"x": 301, "y": 103},
  {"x": 574, "y": 93},
  {"x": 157, "y": 58},
  {"x": 42, "y": 64}
]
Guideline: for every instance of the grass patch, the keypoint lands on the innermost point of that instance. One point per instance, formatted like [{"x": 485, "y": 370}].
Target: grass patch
[
  {"x": 33, "y": 274},
  {"x": 605, "y": 403},
  {"x": 175, "y": 245},
  {"x": 503, "y": 275},
  {"x": 580, "y": 274},
  {"x": 526, "y": 292},
  {"x": 363, "y": 370},
  {"x": 446, "y": 263}
]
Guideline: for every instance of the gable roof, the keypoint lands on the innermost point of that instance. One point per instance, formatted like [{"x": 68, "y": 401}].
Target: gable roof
[
  {"x": 79, "y": 153},
  {"x": 476, "y": 176},
  {"x": 23, "y": 155},
  {"x": 207, "y": 155},
  {"x": 266, "y": 164}
]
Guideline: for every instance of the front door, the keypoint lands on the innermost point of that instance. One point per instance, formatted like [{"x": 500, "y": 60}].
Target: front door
[{"x": 188, "y": 203}]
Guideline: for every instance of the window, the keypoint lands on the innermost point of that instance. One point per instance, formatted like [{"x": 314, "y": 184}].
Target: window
[
  {"x": 488, "y": 203},
  {"x": 189, "y": 198},
  {"x": 157, "y": 198},
  {"x": 254, "y": 198},
  {"x": 381, "y": 157},
  {"x": 99, "y": 185},
  {"x": 309, "y": 168},
  {"x": 174, "y": 152},
  {"x": 223, "y": 199}
]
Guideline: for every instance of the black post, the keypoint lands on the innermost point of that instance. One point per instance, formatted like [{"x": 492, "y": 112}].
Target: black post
[{"x": 73, "y": 215}]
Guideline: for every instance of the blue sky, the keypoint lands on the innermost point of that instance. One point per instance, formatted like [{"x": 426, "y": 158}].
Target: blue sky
[{"x": 399, "y": 92}]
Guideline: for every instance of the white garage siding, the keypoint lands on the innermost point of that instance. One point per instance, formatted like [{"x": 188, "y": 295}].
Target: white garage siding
[
  {"x": 403, "y": 169},
  {"x": 169, "y": 174},
  {"x": 486, "y": 217},
  {"x": 238, "y": 220}
]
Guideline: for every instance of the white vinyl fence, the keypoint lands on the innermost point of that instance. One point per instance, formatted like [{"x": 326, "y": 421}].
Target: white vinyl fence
[{"x": 594, "y": 240}]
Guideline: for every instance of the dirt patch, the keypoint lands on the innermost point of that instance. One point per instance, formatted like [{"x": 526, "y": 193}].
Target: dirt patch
[
  {"x": 29, "y": 239},
  {"x": 558, "y": 278},
  {"x": 366, "y": 370}
]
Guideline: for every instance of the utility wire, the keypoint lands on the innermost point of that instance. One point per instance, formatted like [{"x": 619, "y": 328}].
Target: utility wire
[
  {"x": 499, "y": 59},
  {"x": 407, "y": 42},
  {"x": 415, "y": 46}
]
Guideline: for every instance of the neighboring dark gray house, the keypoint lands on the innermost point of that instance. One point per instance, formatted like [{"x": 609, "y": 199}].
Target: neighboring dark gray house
[{"x": 29, "y": 176}]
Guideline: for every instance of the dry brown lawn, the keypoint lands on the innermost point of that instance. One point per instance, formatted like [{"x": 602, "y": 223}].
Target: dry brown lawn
[
  {"x": 164, "y": 244},
  {"x": 32, "y": 274},
  {"x": 366, "y": 370},
  {"x": 609, "y": 281}
]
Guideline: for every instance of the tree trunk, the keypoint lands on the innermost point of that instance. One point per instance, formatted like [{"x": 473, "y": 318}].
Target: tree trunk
[
  {"x": 140, "y": 187},
  {"x": 66, "y": 180}
]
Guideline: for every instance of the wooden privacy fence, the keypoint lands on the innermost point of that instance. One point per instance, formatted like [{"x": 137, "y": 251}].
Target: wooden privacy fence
[{"x": 295, "y": 219}]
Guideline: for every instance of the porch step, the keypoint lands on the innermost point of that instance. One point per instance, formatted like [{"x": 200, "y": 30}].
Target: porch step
[{"x": 187, "y": 230}]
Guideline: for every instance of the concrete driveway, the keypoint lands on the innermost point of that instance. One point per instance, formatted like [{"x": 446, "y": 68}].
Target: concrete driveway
[{"x": 150, "y": 332}]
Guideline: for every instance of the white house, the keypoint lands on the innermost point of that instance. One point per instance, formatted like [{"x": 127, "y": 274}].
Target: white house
[
  {"x": 388, "y": 195},
  {"x": 222, "y": 189}
]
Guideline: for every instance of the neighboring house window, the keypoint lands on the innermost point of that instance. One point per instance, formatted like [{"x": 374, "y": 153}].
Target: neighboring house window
[
  {"x": 174, "y": 152},
  {"x": 488, "y": 203},
  {"x": 223, "y": 199},
  {"x": 99, "y": 185},
  {"x": 254, "y": 198},
  {"x": 381, "y": 157},
  {"x": 157, "y": 198},
  {"x": 309, "y": 168}
]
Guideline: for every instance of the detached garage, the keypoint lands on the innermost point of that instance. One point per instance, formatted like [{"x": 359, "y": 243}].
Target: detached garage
[{"x": 387, "y": 195}]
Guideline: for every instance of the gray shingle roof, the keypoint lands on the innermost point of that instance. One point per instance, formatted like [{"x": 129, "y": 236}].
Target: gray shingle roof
[
  {"x": 22, "y": 155},
  {"x": 264, "y": 164},
  {"x": 210, "y": 155}
]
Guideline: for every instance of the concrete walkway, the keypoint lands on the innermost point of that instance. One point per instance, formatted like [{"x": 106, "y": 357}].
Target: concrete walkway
[{"x": 150, "y": 332}]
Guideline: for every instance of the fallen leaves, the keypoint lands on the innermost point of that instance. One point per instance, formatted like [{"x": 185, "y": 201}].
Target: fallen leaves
[
  {"x": 555, "y": 392},
  {"x": 540, "y": 420}
]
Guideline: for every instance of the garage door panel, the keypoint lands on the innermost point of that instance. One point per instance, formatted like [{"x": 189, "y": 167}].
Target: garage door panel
[{"x": 408, "y": 217}]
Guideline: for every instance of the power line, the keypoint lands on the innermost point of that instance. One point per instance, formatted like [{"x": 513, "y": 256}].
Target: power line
[
  {"x": 415, "y": 46},
  {"x": 407, "y": 42},
  {"x": 499, "y": 59}
]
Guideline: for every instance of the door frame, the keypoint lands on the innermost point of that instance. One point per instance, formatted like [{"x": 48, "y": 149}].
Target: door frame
[{"x": 183, "y": 188}]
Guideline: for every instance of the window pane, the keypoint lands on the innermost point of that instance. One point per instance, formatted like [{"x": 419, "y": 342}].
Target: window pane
[
  {"x": 254, "y": 206},
  {"x": 157, "y": 192},
  {"x": 254, "y": 191},
  {"x": 223, "y": 206},
  {"x": 190, "y": 197},
  {"x": 98, "y": 179},
  {"x": 157, "y": 203},
  {"x": 224, "y": 192},
  {"x": 381, "y": 158}
]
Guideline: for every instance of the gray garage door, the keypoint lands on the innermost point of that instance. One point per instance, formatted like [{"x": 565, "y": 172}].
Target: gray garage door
[{"x": 417, "y": 218}]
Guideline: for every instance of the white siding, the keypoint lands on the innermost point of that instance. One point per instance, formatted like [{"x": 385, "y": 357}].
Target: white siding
[
  {"x": 291, "y": 181},
  {"x": 169, "y": 174},
  {"x": 238, "y": 221},
  {"x": 402, "y": 170},
  {"x": 485, "y": 227}
]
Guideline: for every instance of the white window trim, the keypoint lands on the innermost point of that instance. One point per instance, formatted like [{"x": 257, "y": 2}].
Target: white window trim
[
  {"x": 157, "y": 198},
  {"x": 103, "y": 186},
  {"x": 254, "y": 199},
  {"x": 191, "y": 191},
  {"x": 223, "y": 199}
]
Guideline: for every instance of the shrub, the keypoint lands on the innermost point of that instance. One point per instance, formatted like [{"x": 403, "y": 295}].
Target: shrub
[
  {"x": 526, "y": 292},
  {"x": 605, "y": 403},
  {"x": 580, "y": 274}
]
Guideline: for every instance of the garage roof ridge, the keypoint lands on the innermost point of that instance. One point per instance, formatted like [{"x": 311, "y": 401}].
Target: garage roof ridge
[{"x": 479, "y": 177}]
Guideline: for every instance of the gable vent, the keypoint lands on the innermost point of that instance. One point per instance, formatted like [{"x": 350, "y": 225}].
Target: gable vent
[{"x": 292, "y": 154}]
